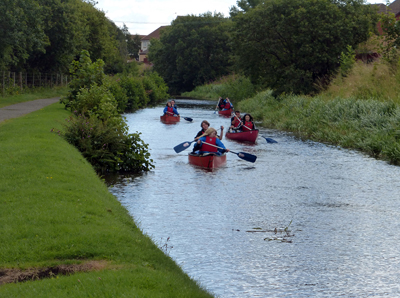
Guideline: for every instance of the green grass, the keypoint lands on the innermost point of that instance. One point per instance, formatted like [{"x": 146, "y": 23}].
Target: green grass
[
  {"x": 56, "y": 210},
  {"x": 36, "y": 94}
]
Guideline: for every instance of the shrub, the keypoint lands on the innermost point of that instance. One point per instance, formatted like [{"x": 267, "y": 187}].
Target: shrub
[
  {"x": 106, "y": 146},
  {"x": 135, "y": 92}
]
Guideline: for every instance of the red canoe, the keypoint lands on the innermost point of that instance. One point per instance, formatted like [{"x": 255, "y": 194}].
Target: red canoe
[
  {"x": 168, "y": 119},
  {"x": 208, "y": 161},
  {"x": 226, "y": 113},
  {"x": 245, "y": 136}
]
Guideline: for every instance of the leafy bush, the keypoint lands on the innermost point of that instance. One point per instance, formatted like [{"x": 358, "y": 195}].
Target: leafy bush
[
  {"x": 107, "y": 147},
  {"x": 135, "y": 92},
  {"x": 96, "y": 128},
  {"x": 85, "y": 74}
]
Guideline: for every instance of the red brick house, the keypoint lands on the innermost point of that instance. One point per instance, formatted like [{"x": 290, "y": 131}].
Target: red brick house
[{"x": 144, "y": 48}]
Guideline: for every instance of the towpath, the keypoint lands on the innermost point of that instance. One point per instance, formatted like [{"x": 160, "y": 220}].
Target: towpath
[{"x": 23, "y": 108}]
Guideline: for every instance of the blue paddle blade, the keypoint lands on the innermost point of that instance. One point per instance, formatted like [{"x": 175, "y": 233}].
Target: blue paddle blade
[
  {"x": 269, "y": 140},
  {"x": 188, "y": 119},
  {"x": 246, "y": 156},
  {"x": 183, "y": 146}
]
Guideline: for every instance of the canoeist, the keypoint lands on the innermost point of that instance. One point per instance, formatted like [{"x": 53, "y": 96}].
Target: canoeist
[
  {"x": 227, "y": 104},
  {"x": 207, "y": 139},
  {"x": 174, "y": 105},
  {"x": 169, "y": 110},
  {"x": 220, "y": 104},
  {"x": 247, "y": 123},
  {"x": 204, "y": 125},
  {"x": 235, "y": 121}
]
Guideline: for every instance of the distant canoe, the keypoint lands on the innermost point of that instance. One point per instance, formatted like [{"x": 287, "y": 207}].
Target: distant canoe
[
  {"x": 207, "y": 161},
  {"x": 168, "y": 119},
  {"x": 244, "y": 136},
  {"x": 226, "y": 113}
]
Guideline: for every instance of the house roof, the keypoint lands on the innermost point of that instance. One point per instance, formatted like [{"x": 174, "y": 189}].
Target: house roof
[
  {"x": 156, "y": 33},
  {"x": 393, "y": 7},
  {"x": 382, "y": 8}
]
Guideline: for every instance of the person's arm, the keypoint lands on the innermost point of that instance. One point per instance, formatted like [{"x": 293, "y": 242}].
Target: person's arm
[
  {"x": 175, "y": 111},
  {"x": 220, "y": 144},
  {"x": 254, "y": 126},
  {"x": 165, "y": 110}
]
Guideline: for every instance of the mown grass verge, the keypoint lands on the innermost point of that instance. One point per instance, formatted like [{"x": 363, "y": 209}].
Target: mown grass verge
[{"x": 55, "y": 210}]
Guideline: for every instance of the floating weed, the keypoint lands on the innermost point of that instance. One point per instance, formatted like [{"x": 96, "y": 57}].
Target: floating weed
[{"x": 280, "y": 234}]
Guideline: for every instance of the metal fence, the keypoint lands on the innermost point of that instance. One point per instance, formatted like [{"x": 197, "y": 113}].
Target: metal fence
[{"x": 11, "y": 82}]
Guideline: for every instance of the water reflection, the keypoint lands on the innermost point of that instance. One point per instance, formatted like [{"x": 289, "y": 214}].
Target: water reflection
[{"x": 341, "y": 209}]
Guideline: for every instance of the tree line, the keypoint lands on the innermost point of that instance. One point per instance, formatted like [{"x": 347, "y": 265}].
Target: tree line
[
  {"x": 289, "y": 46},
  {"x": 46, "y": 35}
]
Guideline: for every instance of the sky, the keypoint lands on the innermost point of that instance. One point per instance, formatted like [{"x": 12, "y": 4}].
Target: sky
[{"x": 144, "y": 16}]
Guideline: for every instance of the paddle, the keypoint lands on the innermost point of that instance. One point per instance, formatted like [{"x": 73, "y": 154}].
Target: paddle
[
  {"x": 269, "y": 140},
  {"x": 186, "y": 118},
  {"x": 243, "y": 155},
  {"x": 183, "y": 146},
  {"x": 216, "y": 108}
]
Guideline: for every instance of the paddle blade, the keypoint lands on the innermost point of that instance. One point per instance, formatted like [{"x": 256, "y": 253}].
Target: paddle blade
[
  {"x": 269, "y": 140},
  {"x": 188, "y": 119},
  {"x": 246, "y": 156},
  {"x": 183, "y": 146}
]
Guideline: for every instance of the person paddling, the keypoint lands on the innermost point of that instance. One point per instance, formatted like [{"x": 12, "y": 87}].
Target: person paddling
[
  {"x": 169, "y": 110},
  {"x": 247, "y": 123},
  {"x": 207, "y": 141},
  {"x": 235, "y": 121},
  {"x": 204, "y": 125}
]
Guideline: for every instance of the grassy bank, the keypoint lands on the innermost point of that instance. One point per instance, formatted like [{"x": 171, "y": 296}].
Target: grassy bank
[
  {"x": 55, "y": 211},
  {"x": 360, "y": 111},
  {"x": 35, "y": 94}
]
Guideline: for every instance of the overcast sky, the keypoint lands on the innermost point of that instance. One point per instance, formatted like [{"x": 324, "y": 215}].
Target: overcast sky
[{"x": 144, "y": 16}]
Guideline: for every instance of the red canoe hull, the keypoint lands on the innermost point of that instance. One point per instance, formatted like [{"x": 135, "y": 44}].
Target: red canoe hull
[
  {"x": 210, "y": 161},
  {"x": 245, "y": 136},
  {"x": 226, "y": 113},
  {"x": 168, "y": 119}
]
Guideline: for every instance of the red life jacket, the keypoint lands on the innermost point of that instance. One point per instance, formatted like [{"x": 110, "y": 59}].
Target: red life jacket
[
  {"x": 227, "y": 106},
  {"x": 170, "y": 111},
  {"x": 249, "y": 124},
  {"x": 236, "y": 122},
  {"x": 206, "y": 147}
]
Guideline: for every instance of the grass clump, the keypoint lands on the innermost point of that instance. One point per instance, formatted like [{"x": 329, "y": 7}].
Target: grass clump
[
  {"x": 55, "y": 210},
  {"x": 234, "y": 86}
]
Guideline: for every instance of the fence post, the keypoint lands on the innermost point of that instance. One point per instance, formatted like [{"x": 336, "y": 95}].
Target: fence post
[
  {"x": 14, "y": 79},
  {"x": 4, "y": 73},
  {"x": 20, "y": 80},
  {"x": 33, "y": 80}
]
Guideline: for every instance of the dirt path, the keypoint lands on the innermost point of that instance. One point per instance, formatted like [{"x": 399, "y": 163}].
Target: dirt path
[{"x": 24, "y": 108}]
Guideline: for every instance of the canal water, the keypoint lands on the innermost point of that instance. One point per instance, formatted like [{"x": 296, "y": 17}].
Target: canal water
[{"x": 304, "y": 220}]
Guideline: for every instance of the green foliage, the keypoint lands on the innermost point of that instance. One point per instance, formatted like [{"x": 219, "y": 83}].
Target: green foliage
[
  {"x": 237, "y": 88},
  {"x": 98, "y": 130},
  {"x": 347, "y": 61},
  {"x": 192, "y": 51},
  {"x": 289, "y": 45},
  {"x": 135, "y": 92},
  {"x": 155, "y": 87},
  {"x": 367, "y": 125},
  {"x": 390, "y": 40},
  {"x": 21, "y": 33},
  {"x": 85, "y": 74},
  {"x": 107, "y": 147}
]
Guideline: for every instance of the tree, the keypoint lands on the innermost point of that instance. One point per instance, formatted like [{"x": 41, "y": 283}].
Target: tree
[
  {"x": 192, "y": 51},
  {"x": 21, "y": 32},
  {"x": 243, "y": 6},
  {"x": 289, "y": 45}
]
